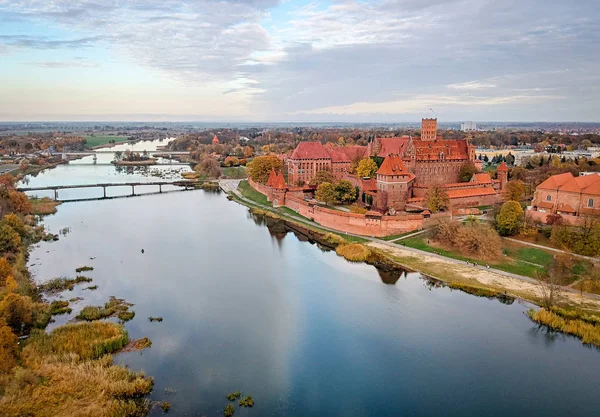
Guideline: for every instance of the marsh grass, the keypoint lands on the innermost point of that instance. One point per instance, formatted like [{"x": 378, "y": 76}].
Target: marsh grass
[
  {"x": 43, "y": 206},
  {"x": 114, "y": 307},
  {"x": 84, "y": 269},
  {"x": 247, "y": 401},
  {"x": 334, "y": 239},
  {"x": 232, "y": 396},
  {"x": 229, "y": 410},
  {"x": 153, "y": 319},
  {"x": 136, "y": 345},
  {"x": 588, "y": 333},
  {"x": 166, "y": 406},
  {"x": 354, "y": 252},
  {"x": 61, "y": 284},
  {"x": 91, "y": 288},
  {"x": 60, "y": 307}
]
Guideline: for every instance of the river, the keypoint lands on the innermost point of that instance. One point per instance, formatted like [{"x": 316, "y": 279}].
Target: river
[{"x": 303, "y": 331}]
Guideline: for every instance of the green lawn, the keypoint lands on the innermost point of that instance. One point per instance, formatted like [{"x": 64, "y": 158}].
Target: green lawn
[
  {"x": 253, "y": 195},
  {"x": 537, "y": 256},
  {"x": 97, "y": 140},
  {"x": 234, "y": 172},
  {"x": 513, "y": 265}
]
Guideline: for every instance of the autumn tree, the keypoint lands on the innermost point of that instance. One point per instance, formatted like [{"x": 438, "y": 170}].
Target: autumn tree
[
  {"x": 5, "y": 271},
  {"x": 326, "y": 193},
  {"x": 509, "y": 221},
  {"x": 515, "y": 190},
  {"x": 366, "y": 168},
  {"x": 466, "y": 172},
  {"x": 518, "y": 173},
  {"x": 8, "y": 348},
  {"x": 345, "y": 192},
  {"x": 260, "y": 167},
  {"x": 584, "y": 240},
  {"x": 436, "y": 199},
  {"x": 471, "y": 238},
  {"x": 10, "y": 241},
  {"x": 20, "y": 202},
  {"x": 321, "y": 177},
  {"x": 17, "y": 311},
  {"x": 208, "y": 167},
  {"x": 248, "y": 152}
]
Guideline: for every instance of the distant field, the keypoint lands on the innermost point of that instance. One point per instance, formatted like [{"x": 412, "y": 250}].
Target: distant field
[{"x": 103, "y": 140}]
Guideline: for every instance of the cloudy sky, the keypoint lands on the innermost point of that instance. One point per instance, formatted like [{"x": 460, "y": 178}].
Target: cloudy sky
[{"x": 300, "y": 60}]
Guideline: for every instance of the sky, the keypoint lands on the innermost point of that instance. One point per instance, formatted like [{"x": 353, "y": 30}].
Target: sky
[{"x": 299, "y": 60}]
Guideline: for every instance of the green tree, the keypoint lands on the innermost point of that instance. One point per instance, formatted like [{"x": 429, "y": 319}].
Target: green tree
[
  {"x": 366, "y": 168},
  {"x": 345, "y": 192},
  {"x": 260, "y": 167},
  {"x": 326, "y": 193},
  {"x": 515, "y": 190},
  {"x": 436, "y": 199},
  {"x": 467, "y": 171},
  {"x": 509, "y": 221},
  {"x": 321, "y": 177}
]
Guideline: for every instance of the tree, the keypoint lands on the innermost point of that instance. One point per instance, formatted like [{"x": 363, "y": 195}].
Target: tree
[
  {"x": 19, "y": 202},
  {"x": 8, "y": 348},
  {"x": 518, "y": 173},
  {"x": 5, "y": 271},
  {"x": 10, "y": 241},
  {"x": 260, "y": 167},
  {"x": 467, "y": 171},
  {"x": 515, "y": 190},
  {"x": 366, "y": 168},
  {"x": 208, "y": 167},
  {"x": 248, "y": 152},
  {"x": 17, "y": 311},
  {"x": 345, "y": 192},
  {"x": 510, "y": 159},
  {"x": 586, "y": 143},
  {"x": 486, "y": 159},
  {"x": 436, "y": 199},
  {"x": 321, "y": 177},
  {"x": 15, "y": 222},
  {"x": 509, "y": 221},
  {"x": 326, "y": 193}
]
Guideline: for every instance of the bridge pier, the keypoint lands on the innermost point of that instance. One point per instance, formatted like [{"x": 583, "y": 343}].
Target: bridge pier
[
  {"x": 55, "y": 194},
  {"x": 133, "y": 190},
  {"x": 104, "y": 191},
  {"x": 160, "y": 188}
]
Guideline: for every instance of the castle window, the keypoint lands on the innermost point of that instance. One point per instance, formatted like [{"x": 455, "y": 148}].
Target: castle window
[{"x": 591, "y": 202}]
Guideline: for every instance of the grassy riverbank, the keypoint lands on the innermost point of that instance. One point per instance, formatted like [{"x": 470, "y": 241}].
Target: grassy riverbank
[{"x": 93, "y": 141}]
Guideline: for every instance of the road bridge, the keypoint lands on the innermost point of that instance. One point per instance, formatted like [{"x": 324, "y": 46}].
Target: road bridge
[{"x": 180, "y": 183}]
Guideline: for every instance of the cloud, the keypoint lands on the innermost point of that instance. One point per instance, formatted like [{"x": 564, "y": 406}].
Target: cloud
[
  {"x": 345, "y": 54},
  {"x": 74, "y": 63}
]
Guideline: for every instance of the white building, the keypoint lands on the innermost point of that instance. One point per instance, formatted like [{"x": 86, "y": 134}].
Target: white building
[{"x": 468, "y": 126}]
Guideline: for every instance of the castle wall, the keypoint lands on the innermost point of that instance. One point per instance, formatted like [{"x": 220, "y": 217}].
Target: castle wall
[{"x": 436, "y": 172}]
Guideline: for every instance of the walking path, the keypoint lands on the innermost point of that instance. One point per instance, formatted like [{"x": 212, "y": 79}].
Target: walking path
[
  {"x": 535, "y": 245},
  {"x": 441, "y": 267}
]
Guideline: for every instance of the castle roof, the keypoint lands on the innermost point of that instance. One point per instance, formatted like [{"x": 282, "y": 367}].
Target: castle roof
[
  {"x": 310, "y": 150},
  {"x": 337, "y": 156},
  {"x": 272, "y": 177},
  {"x": 215, "y": 140},
  {"x": 503, "y": 167},
  {"x": 353, "y": 152},
  {"x": 470, "y": 192},
  {"x": 432, "y": 150},
  {"x": 393, "y": 165},
  {"x": 586, "y": 184},
  {"x": 482, "y": 178},
  {"x": 391, "y": 146},
  {"x": 279, "y": 181}
]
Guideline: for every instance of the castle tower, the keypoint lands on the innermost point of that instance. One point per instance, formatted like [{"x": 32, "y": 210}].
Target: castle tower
[
  {"x": 428, "y": 129},
  {"x": 503, "y": 175}
]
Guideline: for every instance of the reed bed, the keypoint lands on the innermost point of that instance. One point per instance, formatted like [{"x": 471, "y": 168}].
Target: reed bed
[
  {"x": 354, "y": 252},
  {"x": 588, "y": 333}
]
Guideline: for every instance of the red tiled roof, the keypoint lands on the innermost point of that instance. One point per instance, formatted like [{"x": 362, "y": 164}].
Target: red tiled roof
[
  {"x": 279, "y": 181},
  {"x": 482, "y": 178},
  {"x": 310, "y": 150},
  {"x": 215, "y": 140},
  {"x": 393, "y": 165},
  {"x": 337, "y": 156},
  {"x": 368, "y": 185},
  {"x": 555, "y": 181},
  {"x": 546, "y": 205},
  {"x": 391, "y": 146},
  {"x": 470, "y": 192},
  {"x": 503, "y": 167},
  {"x": 566, "y": 208},
  {"x": 431, "y": 150},
  {"x": 272, "y": 177},
  {"x": 353, "y": 152}
]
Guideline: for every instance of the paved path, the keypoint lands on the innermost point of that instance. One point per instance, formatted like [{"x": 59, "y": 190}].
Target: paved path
[
  {"x": 6, "y": 168},
  {"x": 231, "y": 186},
  {"x": 411, "y": 235},
  {"x": 535, "y": 245}
]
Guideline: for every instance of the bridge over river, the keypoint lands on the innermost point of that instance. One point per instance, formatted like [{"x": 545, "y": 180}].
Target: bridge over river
[{"x": 186, "y": 185}]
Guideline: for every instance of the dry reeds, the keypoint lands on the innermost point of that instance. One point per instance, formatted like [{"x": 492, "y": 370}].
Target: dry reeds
[
  {"x": 587, "y": 332},
  {"x": 354, "y": 252}
]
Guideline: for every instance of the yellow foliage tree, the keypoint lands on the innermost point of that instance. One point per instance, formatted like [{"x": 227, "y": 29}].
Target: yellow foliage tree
[
  {"x": 366, "y": 168},
  {"x": 261, "y": 166},
  {"x": 8, "y": 348},
  {"x": 436, "y": 199},
  {"x": 17, "y": 312},
  {"x": 10, "y": 241}
]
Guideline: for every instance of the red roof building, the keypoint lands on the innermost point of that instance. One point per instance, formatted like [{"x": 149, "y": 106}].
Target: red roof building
[
  {"x": 569, "y": 195},
  {"x": 215, "y": 140}
]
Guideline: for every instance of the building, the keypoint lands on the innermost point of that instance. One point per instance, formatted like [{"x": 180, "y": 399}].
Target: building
[
  {"x": 311, "y": 157},
  {"x": 215, "y": 140},
  {"x": 410, "y": 167},
  {"x": 567, "y": 196},
  {"x": 468, "y": 126}
]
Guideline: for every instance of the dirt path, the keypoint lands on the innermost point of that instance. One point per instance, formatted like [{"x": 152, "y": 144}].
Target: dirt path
[{"x": 453, "y": 270}]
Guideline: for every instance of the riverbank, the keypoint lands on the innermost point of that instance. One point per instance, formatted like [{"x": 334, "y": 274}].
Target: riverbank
[
  {"x": 145, "y": 162},
  {"x": 456, "y": 274}
]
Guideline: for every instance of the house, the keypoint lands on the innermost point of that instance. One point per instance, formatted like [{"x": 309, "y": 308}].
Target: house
[{"x": 567, "y": 195}]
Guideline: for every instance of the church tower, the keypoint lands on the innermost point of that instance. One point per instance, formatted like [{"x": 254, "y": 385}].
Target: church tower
[{"x": 428, "y": 129}]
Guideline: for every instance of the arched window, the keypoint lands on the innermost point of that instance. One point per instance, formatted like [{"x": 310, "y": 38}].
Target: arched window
[
  {"x": 548, "y": 197},
  {"x": 591, "y": 202}
]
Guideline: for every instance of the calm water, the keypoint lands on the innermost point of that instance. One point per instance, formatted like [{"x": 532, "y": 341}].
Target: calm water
[{"x": 300, "y": 329}]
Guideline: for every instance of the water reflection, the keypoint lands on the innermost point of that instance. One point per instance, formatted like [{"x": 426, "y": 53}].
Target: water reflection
[{"x": 254, "y": 308}]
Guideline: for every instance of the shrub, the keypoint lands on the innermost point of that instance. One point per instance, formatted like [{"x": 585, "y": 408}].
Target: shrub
[
  {"x": 354, "y": 252},
  {"x": 334, "y": 239},
  {"x": 510, "y": 219},
  {"x": 8, "y": 348},
  {"x": 19, "y": 202},
  {"x": 16, "y": 224},
  {"x": 10, "y": 241},
  {"x": 355, "y": 208},
  {"x": 17, "y": 312}
]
